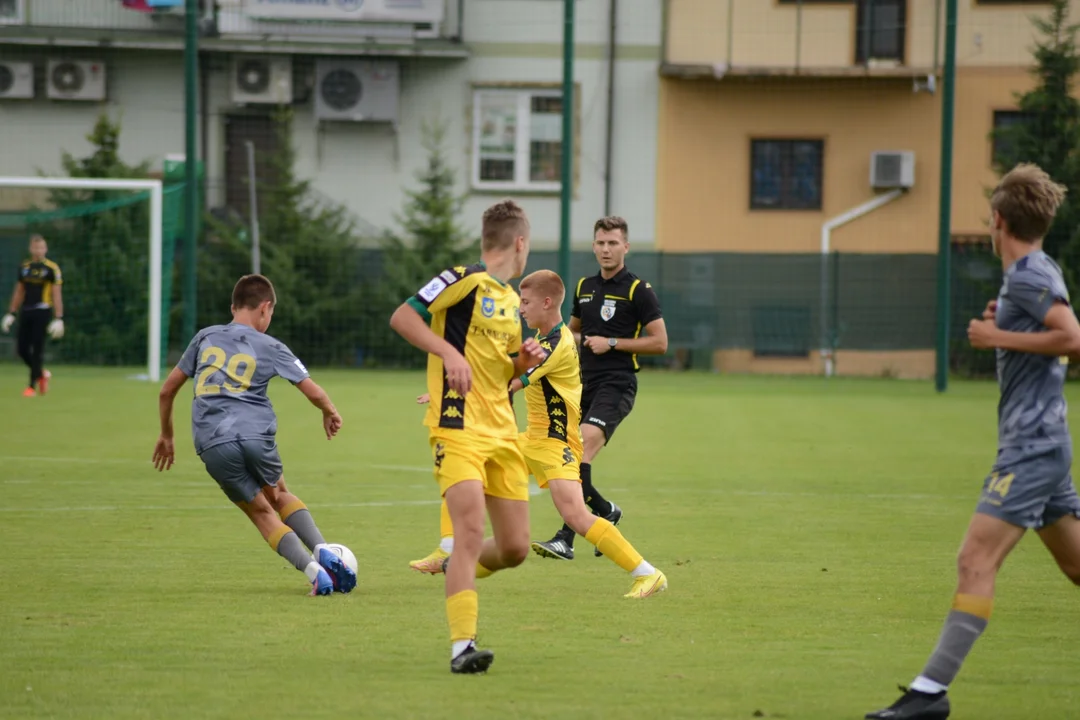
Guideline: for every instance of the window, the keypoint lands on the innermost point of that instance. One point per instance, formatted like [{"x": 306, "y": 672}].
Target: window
[
  {"x": 1013, "y": 2},
  {"x": 880, "y": 30},
  {"x": 517, "y": 137},
  {"x": 786, "y": 174},
  {"x": 1003, "y": 146},
  {"x": 12, "y": 12}
]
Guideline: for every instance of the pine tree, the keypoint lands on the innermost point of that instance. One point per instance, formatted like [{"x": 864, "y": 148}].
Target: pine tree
[
  {"x": 1049, "y": 134},
  {"x": 104, "y": 256},
  {"x": 309, "y": 250},
  {"x": 432, "y": 236}
]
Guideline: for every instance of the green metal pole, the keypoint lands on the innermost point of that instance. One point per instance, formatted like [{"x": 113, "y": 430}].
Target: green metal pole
[
  {"x": 944, "y": 278},
  {"x": 567, "y": 190},
  {"x": 191, "y": 181}
]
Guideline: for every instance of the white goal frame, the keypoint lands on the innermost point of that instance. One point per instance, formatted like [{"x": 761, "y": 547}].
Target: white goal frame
[{"x": 153, "y": 362}]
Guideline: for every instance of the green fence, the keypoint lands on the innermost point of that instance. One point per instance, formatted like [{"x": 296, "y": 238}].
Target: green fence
[{"x": 334, "y": 312}]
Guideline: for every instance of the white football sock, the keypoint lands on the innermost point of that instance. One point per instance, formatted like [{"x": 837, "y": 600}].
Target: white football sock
[
  {"x": 459, "y": 647},
  {"x": 642, "y": 570},
  {"x": 312, "y": 571},
  {"x": 447, "y": 544},
  {"x": 926, "y": 685}
]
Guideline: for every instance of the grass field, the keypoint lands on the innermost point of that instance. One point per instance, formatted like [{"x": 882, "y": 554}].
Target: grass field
[{"x": 808, "y": 529}]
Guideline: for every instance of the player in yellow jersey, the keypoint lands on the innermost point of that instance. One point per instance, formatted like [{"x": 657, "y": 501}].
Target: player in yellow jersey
[
  {"x": 552, "y": 442},
  {"x": 475, "y": 349}
]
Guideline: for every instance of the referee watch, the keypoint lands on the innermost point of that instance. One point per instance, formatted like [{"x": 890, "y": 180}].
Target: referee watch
[{"x": 612, "y": 342}]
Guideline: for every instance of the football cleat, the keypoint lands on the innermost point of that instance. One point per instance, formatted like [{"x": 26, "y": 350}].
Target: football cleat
[
  {"x": 915, "y": 705},
  {"x": 29, "y": 392},
  {"x": 612, "y": 517},
  {"x": 43, "y": 381},
  {"x": 556, "y": 548},
  {"x": 471, "y": 661},
  {"x": 323, "y": 584},
  {"x": 432, "y": 564},
  {"x": 344, "y": 577},
  {"x": 647, "y": 585}
]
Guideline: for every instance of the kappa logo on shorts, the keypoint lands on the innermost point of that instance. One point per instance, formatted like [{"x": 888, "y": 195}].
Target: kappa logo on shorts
[
  {"x": 487, "y": 307},
  {"x": 440, "y": 453},
  {"x": 567, "y": 456}
]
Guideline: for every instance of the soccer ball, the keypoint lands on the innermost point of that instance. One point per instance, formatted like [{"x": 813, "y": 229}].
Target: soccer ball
[{"x": 345, "y": 554}]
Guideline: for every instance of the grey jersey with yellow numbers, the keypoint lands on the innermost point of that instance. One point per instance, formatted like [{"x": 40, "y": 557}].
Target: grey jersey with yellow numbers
[
  {"x": 1032, "y": 408},
  {"x": 232, "y": 366}
]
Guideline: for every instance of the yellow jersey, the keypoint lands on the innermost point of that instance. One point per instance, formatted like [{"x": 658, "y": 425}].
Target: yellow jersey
[
  {"x": 553, "y": 390},
  {"x": 38, "y": 277},
  {"x": 479, "y": 315}
]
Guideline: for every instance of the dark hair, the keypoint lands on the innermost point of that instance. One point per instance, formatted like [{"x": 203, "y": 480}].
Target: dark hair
[
  {"x": 611, "y": 223},
  {"x": 1027, "y": 200},
  {"x": 502, "y": 223},
  {"x": 251, "y": 291}
]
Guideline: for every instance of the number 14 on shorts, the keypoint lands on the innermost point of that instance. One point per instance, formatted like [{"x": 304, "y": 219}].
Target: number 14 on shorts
[{"x": 998, "y": 484}]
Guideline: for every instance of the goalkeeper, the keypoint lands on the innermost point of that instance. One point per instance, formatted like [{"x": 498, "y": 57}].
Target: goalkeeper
[{"x": 40, "y": 308}]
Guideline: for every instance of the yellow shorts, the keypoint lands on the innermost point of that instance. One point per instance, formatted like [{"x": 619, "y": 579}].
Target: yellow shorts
[
  {"x": 497, "y": 463},
  {"x": 550, "y": 459}
]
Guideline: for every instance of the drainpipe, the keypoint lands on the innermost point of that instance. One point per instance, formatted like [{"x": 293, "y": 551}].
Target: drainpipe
[
  {"x": 798, "y": 36},
  {"x": 459, "y": 36},
  {"x": 826, "y": 247},
  {"x": 937, "y": 36},
  {"x": 730, "y": 30},
  {"x": 609, "y": 131}
]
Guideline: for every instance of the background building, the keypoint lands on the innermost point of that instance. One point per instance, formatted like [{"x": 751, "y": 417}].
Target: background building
[{"x": 362, "y": 79}]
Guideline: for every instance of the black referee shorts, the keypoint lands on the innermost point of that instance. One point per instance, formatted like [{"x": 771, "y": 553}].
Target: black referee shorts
[{"x": 606, "y": 400}]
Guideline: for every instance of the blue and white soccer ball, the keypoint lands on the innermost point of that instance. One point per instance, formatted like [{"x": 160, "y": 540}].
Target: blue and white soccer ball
[{"x": 346, "y": 555}]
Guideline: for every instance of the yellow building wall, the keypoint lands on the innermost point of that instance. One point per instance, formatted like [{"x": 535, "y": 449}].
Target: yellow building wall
[
  {"x": 703, "y": 174},
  {"x": 765, "y": 33}
]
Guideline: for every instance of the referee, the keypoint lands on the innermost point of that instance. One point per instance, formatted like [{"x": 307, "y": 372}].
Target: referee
[
  {"x": 37, "y": 295},
  {"x": 610, "y": 310}
]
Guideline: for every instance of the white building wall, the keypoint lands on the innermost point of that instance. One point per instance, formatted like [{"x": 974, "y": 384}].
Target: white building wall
[{"x": 365, "y": 166}]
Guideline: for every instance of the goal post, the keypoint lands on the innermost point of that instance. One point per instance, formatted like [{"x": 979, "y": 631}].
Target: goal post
[{"x": 156, "y": 193}]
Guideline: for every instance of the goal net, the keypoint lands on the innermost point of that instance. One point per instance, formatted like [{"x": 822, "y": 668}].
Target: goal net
[{"x": 114, "y": 241}]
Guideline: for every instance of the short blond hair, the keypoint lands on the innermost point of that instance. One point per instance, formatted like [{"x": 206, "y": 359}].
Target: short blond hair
[
  {"x": 503, "y": 222},
  {"x": 547, "y": 283},
  {"x": 1027, "y": 200}
]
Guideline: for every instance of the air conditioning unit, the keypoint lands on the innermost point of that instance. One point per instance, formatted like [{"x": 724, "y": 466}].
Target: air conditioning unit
[
  {"x": 262, "y": 79},
  {"x": 356, "y": 90},
  {"x": 890, "y": 169},
  {"x": 16, "y": 80},
  {"x": 75, "y": 80}
]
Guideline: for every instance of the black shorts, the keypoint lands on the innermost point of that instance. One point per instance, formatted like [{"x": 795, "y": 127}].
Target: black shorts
[{"x": 607, "y": 400}]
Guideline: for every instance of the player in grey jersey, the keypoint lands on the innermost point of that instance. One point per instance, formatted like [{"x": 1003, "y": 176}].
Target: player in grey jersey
[
  {"x": 234, "y": 427},
  {"x": 1034, "y": 332}
]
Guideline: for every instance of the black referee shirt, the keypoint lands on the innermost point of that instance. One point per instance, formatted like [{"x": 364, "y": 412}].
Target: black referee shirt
[{"x": 615, "y": 308}]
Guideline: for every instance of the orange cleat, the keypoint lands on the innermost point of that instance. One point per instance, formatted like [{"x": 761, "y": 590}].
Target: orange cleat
[
  {"x": 43, "y": 382},
  {"x": 29, "y": 392}
]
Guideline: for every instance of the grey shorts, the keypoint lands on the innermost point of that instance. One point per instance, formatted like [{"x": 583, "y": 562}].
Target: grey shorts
[
  {"x": 243, "y": 467},
  {"x": 1031, "y": 487}
]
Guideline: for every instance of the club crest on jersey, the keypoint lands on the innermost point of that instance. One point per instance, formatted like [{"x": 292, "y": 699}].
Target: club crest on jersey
[
  {"x": 608, "y": 311},
  {"x": 487, "y": 307}
]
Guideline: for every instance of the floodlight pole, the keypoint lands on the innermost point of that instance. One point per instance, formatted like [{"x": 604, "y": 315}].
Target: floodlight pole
[
  {"x": 566, "y": 195},
  {"x": 944, "y": 279},
  {"x": 191, "y": 177}
]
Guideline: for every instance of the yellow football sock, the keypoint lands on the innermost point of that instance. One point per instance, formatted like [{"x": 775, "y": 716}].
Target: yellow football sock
[
  {"x": 294, "y": 506},
  {"x": 275, "y": 537},
  {"x": 976, "y": 605},
  {"x": 461, "y": 610},
  {"x": 483, "y": 572},
  {"x": 608, "y": 540},
  {"x": 446, "y": 528}
]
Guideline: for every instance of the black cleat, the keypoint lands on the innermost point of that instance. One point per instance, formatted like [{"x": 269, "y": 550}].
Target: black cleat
[
  {"x": 612, "y": 517},
  {"x": 557, "y": 548},
  {"x": 915, "y": 705},
  {"x": 472, "y": 661}
]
